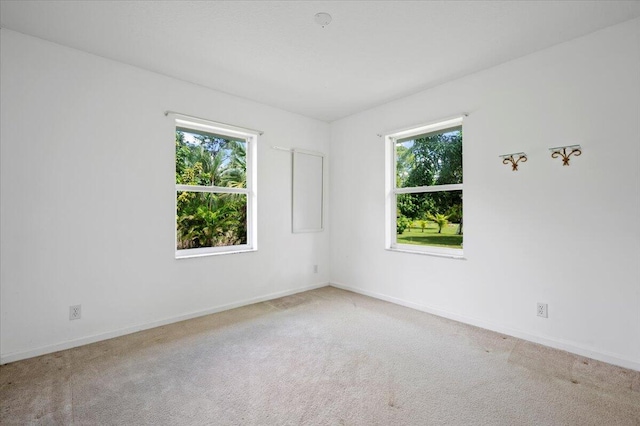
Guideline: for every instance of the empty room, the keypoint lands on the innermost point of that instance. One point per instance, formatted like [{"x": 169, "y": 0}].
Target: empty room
[{"x": 319, "y": 213}]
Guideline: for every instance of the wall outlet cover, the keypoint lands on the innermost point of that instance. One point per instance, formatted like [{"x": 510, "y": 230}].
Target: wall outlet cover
[
  {"x": 542, "y": 310},
  {"x": 75, "y": 312}
]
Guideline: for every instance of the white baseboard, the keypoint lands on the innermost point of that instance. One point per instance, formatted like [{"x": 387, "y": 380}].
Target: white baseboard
[
  {"x": 553, "y": 343},
  {"x": 43, "y": 350}
]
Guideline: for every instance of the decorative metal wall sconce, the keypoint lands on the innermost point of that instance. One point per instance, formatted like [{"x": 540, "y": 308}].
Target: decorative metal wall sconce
[
  {"x": 561, "y": 151},
  {"x": 514, "y": 159}
]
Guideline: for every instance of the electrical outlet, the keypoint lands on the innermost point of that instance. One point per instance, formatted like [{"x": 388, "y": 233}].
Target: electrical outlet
[
  {"x": 315, "y": 269},
  {"x": 75, "y": 312},
  {"x": 542, "y": 310}
]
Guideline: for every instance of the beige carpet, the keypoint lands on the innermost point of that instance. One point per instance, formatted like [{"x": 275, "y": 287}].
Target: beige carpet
[{"x": 324, "y": 357}]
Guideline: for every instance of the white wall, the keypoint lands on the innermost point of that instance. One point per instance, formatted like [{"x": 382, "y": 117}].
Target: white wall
[
  {"x": 87, "y": 201},
  {"x": 567, "y": 236}
]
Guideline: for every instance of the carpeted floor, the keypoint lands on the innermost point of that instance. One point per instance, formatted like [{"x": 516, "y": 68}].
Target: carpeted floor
[{"x": 323, "y": 357}]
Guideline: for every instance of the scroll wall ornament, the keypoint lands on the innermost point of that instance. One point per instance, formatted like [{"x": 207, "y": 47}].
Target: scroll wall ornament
[
  {"x": 514, "y": 159},
  {"x": 561, "y": 151}
]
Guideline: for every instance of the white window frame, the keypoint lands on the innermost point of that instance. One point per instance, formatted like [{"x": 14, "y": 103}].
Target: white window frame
[
  {"x": 392, "y": 191},
  {"x": 251, "y": 139}
]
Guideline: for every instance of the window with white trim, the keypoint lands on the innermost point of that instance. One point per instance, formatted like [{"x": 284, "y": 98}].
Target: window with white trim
[
  {"x": 215, "y": 188},
  {"x": 424, "y": 189}
]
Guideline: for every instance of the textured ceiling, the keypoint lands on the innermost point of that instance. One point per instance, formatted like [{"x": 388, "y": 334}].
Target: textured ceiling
[{"x": 274, "y": 53}]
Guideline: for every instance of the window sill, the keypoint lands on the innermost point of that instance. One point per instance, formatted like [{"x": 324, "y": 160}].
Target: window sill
[
  {"x": 216, "y": 253},
  {"x": 427, "y": 253}
]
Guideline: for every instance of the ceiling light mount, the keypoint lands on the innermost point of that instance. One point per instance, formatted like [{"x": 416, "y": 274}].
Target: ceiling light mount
[{"x": 322, "y": 18}]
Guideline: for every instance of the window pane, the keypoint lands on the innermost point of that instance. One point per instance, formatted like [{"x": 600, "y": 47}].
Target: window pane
[
  {"x": 207, "y": 159},
  {"x": 430, "y": 159},
  {"x": 430, "y": 219},
  {"x": 210, "y": 220}
]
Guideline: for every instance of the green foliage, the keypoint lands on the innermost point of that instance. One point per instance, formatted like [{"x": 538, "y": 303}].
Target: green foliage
[
  {"x": 210, "y": 219},
  {"x": 455, "y": 213},
  {"x": 439, "y": 219},
  {"x": 403, "y": 165},
  {"x": 455, "y": 216},
  {"x": 426, "y": 161},
  {"x": 402, "y": 223},
  {"x": 413, "y": 206},
  {"x": 423, "y": 224},
  {"x": 218, "y": 220},
  {"x": 436, "y": 160}
]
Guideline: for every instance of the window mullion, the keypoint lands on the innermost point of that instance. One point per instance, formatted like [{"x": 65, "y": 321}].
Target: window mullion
[
  {"x": 212, "y": 189},
  {"x": 431, "y": 188}
]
